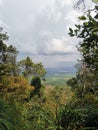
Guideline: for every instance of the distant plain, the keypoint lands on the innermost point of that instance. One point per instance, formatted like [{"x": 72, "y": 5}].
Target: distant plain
[{"x": 58, "y": 78}]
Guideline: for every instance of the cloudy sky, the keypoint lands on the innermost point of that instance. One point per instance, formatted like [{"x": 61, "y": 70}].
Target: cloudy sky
[{"x": 39, "y": 29}]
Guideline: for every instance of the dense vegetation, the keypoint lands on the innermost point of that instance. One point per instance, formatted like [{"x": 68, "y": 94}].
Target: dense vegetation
[{"x": 25, "y": 104}]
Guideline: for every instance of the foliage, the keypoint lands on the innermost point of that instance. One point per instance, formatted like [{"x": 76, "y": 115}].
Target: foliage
[
  {"x": 91, "y": 120},
  {"x": 72, "y": 82},
  {"x": 5, "y": 117},
  {"x": 36, "y": 82},
  {"x": 28, "y": 68},
  {"x": 70, "y": 118},
  {"x": 85, "y": 83},
  {"x": 7, "y": 56},
  {"x": 88, "y": 66},
  {"x": 16, "y": 89},
  {"x": 43, "y": 111},
  {"x": 11, "y": 116}
]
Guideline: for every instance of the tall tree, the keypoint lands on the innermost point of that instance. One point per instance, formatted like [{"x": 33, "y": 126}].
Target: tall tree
[
  {"x": 12, "y": 55},
  {"x": 3, "y": 47},
  {"x": 88, "y": 32},
  {"x": 29, "y": 68},
  {"x": 7, "y": 56},
  {"x": 87, "y": 75}
]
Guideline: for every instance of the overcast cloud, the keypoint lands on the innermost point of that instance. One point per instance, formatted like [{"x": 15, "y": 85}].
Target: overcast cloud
[{"x": 39, "y": 29}]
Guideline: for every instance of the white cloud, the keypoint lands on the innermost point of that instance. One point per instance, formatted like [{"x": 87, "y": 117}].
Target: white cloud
[
  {"x": 55, "y": 61},
  {"x": 1, "y": 2},
  {"x": 52, "y": 11},
  {"x": 55, "y": 15},
  {"x": 1, "y": 22},
  {"x": 38, "y": 28},
  {"x": 62, "y": 46},
  {"x": 66, "y": 2},
  {"x": 56, "y": 9},
  {"x": 72, "y": 16}
]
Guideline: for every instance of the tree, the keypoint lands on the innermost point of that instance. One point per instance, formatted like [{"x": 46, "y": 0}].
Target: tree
[
  {"x": 28, "y": 68},
  {"x": 36, "y": 82},
  {"x": 15, "y": 89},
  {"x": 38, "y": 70},
  {"x": 72, "y": 82},
  {"x": 3, "y": 49},
  {"x": 88, "y": 32},
  {"x": 11, "y": 59},
  {"x": 87, "y": 74},
  {"x": 7, "y": 56}
]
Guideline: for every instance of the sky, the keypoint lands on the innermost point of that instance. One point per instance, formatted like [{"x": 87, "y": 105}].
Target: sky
[{"x": 39, "y": 29}]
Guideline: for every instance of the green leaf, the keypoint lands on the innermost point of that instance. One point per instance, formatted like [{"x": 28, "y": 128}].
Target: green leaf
[
  {"x": 78, "y": 26},
  {"x": 71, "y": 35},
  {"x": 96, "y": 7},
  {"x": 82, "y": 18},
  {"x": 96, "y": 16},
  {"x": 70, "y": 29}
]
